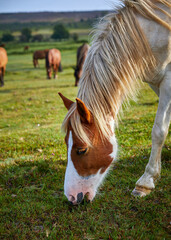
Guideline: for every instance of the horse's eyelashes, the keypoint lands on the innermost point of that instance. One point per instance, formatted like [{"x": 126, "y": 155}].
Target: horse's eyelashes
[{"x": 81, "y": 151}]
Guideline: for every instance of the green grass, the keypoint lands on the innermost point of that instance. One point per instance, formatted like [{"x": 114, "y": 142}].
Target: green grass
[
  {"x": 18, "y": 48},
  {"x": 33, "y": 161}
]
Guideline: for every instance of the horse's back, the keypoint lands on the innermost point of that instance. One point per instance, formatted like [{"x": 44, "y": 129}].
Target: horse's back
[
  {"x": 54, "y": 56},
  {"x": 40, "y": 54},
  {"x": 3, "y": 57}
]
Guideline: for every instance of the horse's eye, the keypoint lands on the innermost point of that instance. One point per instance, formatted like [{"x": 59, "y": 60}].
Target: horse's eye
[{"x": 81, "y": 151}]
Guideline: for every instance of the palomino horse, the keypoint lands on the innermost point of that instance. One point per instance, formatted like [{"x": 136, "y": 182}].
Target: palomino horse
[
  {"x": 3, "y": 63},
  {"x": 40, "y": 54},
  {"x": 129, "y": 46},
  {"x": 53, "y": 60},
  {"x": 81, "y": 56}
]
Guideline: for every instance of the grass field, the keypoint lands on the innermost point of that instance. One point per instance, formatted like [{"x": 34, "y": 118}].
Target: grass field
[{"x": 33, "y": 161}]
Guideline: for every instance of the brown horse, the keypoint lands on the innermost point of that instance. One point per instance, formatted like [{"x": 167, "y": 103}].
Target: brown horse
[
  {"x": 3, "y": 62},
  {"x": 26, "y": 48},
  {"x": 53, "y": 60},
  {"x": 81, "y": 56},
  {"x": 40, "y": 54}
]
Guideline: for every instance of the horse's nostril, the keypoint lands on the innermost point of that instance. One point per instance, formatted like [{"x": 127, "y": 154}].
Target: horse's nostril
[
  {"x": 71, "y": 198},
  {"x": 79, "y": 197}
]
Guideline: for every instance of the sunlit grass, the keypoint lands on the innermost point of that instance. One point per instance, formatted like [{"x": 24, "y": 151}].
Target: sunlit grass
[{"x": 33, "y": 161}]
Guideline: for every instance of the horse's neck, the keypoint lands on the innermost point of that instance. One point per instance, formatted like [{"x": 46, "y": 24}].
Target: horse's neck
[{"x": 159, "y": 39}]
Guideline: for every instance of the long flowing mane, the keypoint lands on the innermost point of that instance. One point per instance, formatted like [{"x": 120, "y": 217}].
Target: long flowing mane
[{"x": 118, "y": 60}]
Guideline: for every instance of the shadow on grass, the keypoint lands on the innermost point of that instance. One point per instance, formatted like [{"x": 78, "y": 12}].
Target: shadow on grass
[
  {"x": 33, "y": 88},
  {"x": 148, "y": 103},
  {"x": 42, "y": 67}
]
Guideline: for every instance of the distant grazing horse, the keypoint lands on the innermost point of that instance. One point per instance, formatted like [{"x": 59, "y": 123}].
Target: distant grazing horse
[
  {"x": 129, "y": 46},
  {"x": 3, "y": 63},
  {"x": 26, "y": 48},
  {"x": 40, "y": 54},
  {"x": 53, "y": 60},
  {"x": 81, "y": 56},
  {"x": 2, "y": 45}
]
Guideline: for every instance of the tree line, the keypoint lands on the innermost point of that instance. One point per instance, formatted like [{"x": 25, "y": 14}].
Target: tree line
[{"x": 60, "y": 32}]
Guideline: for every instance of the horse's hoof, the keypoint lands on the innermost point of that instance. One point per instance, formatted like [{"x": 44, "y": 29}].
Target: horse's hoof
[{"x": 140, "y": 191}]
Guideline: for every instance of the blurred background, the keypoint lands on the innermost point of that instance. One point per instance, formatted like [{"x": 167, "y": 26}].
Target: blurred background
[{"x": 35, "y": 20}]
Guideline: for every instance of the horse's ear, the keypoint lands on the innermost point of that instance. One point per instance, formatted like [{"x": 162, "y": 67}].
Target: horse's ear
[
  {"x": 66, "y": 101},
  {"x": 83, "y": 111}
]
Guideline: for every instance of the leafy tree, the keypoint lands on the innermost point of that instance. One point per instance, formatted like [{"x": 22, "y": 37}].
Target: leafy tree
[
  {"x": 25, "y": 35},
  {"x": 7, "y": 37},
  {"x": 75, "y": 37},
  {"x": 60, "y": 32}
]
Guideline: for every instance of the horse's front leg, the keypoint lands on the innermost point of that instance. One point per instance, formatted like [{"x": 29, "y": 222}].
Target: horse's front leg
[{"x": 159, "y": 132}]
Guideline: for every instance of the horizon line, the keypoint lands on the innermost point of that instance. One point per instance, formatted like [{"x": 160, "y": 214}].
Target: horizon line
[{"x": 45, "y": 11}]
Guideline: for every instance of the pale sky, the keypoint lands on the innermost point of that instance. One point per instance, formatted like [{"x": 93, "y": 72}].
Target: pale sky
[{"x": 54, "y": 5}]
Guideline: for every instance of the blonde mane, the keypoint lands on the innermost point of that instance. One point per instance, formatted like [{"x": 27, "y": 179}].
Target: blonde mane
[{"x": 119, "y": 58}]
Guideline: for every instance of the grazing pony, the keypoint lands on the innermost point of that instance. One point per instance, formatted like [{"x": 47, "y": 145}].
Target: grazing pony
[
  {"x": 40, "y": 54},
  {"x": 3, "y": 63},
  {"x": 129, "y": 46},
  {"x": 53, "y": 60},
  {"x": 26, "y": 48},
  {"x": 81, "y": 56}
]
